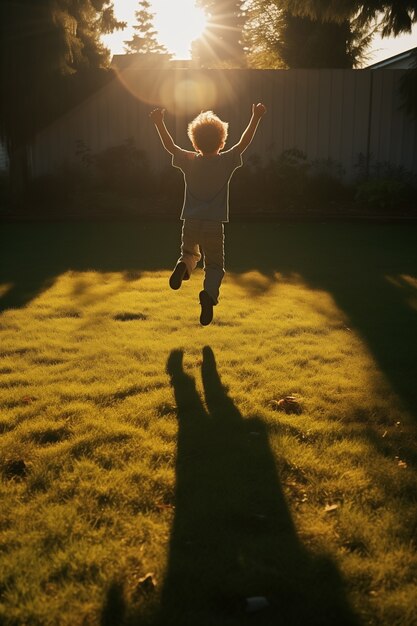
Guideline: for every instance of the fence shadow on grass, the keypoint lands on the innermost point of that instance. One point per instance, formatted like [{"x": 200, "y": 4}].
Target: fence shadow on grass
[
  {"x": 34, "y": 255},
  {"x": 364, "y": 267},
  {"x": 233, "y": 536}
]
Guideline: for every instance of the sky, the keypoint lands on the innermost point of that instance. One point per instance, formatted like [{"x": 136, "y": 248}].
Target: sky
[
  {"x": 389, "y": 46},
  {"x": 178, "y": 22}
]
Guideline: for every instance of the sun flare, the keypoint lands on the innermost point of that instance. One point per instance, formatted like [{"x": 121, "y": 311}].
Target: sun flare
[{"x": 178, "y": 24}]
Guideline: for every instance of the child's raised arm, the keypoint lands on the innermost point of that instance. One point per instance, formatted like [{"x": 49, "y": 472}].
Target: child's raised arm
[
  {"x": 157, "y": 116},
  {"x": 258, "y": 111}
]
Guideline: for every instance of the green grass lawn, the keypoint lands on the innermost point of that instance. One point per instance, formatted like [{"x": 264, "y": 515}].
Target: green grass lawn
[{"x": 133, "y": 441}]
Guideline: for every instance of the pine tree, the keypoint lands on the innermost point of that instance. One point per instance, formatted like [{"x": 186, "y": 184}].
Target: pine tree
[{"x": 144, "y": 40}]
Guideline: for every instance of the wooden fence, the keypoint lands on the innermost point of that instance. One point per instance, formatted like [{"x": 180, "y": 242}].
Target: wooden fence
[
  {"x": 3, "y": 158},
  {"x": 327, "y": 114}
]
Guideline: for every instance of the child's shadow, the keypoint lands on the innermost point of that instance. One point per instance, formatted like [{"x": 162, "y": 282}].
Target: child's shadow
[{"x": 233, "y": 536}]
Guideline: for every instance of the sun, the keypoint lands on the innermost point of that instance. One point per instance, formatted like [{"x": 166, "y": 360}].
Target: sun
[{"x": 177, "y": 23}]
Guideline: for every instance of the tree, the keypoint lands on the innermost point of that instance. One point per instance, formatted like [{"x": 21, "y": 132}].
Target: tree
[
  {"x": 51, "y": 56},
  {"x": 144, "y": 40},
  {"x": 221, "y": 45},
  {"x": 309, "y": 43},
  {"x": 261, "y": 35},
  {"x": 395, "y": 16},
  {"x": 275, "y": 34}
]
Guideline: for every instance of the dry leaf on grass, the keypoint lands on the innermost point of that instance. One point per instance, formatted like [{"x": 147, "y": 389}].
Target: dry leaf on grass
[
  {"x": 288, "y": 405},
  {"x": 329, "y": 508}
]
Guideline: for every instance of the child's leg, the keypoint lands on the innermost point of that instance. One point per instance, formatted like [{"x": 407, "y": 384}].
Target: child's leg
[
  {"x": 212, "y": 242},
  {"x": 190, "y": 250}
]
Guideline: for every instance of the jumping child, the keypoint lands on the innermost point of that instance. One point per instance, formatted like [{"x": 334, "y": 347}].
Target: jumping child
[{"x": 207, "y": 173}]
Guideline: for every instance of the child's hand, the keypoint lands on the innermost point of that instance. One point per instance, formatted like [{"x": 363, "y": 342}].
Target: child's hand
[
  {"x": 157, "y": 115},
  {"x": 258, "y": 110}
]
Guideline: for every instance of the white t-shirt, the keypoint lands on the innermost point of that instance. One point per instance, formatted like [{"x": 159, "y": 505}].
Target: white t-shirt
[{"x": 207, "y": 180}]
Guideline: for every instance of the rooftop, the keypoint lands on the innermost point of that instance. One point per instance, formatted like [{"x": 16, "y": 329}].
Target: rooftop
[{"x": 397, "y": 59}]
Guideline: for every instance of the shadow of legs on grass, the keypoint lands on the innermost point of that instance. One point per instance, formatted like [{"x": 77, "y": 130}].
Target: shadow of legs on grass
[{"x": 233, "y": 536}]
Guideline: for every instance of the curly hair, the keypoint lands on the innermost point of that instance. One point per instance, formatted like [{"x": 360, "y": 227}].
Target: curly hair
[{"x": 207, "y": 132}]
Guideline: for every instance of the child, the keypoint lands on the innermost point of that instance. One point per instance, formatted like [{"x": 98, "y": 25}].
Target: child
[{"x": 207, "y": 173}]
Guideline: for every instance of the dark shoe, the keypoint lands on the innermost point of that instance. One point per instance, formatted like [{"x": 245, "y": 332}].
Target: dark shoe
[
  {"x": 178, "y": 275},
  {"x": 206, "y": 308}
]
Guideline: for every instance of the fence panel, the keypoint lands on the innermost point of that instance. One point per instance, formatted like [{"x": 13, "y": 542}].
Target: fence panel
[{"x": 328, "y": 114}]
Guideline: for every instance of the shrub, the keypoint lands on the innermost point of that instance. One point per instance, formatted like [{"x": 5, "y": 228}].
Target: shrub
[
  {"x": 123, "y": 169},
  {"x": 384, "y": 186},
  {"x": 383, "y": 193},
  {"x": 285, "y": 179},
  {"x": 119, "y": 180},
  {"x": 325, "y": 186},
  {"x": 57, "y": 190},
  {"x": 248, "y": 190},
  {"x": 292, "y": 183}
]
